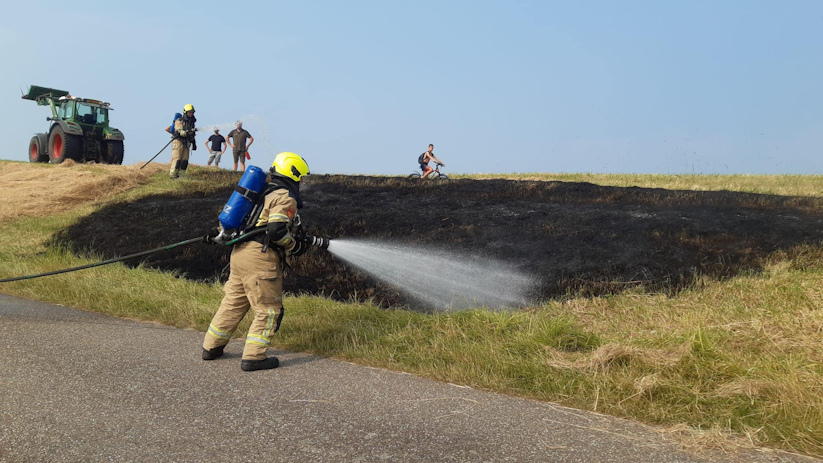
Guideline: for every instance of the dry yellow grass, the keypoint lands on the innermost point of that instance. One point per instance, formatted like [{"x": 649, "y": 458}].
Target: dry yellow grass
[
  {"x": 613, "y": 354},
  {"x": 36, "y": 190},
  {"x": 787, "y": 185}
]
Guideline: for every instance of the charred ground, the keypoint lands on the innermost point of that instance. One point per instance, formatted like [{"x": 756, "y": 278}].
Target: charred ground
[{"x": 577, "y": 238}]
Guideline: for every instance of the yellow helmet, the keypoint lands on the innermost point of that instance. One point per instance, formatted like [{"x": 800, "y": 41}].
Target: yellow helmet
[
  {"x": 290, "y": 165},
  {"x": 188, "y": 108}
]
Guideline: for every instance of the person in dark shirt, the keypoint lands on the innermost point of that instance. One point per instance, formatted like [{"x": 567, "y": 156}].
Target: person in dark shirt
[
  {"x": 217, "y": 147},
  {"x": 237, "y": 141}
]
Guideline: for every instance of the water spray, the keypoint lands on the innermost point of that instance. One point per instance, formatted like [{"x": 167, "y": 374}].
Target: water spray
[
  {"x": 439, "y": 279},
  {"x": 259, "y": 125}
]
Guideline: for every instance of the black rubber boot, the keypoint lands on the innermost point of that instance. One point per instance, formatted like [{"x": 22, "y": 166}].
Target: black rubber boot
[
  {"x": 212, "y": 354},
  {"x": 254, "y": 365}
]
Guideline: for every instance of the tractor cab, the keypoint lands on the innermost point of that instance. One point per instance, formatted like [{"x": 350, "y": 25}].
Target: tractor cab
[{"x": 84, "y": 111}]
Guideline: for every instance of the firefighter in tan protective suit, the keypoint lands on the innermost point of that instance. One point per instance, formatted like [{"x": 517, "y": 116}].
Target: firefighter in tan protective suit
[
  {"x": 183, "y": 132},
  {"x": 256, "y": 275}
]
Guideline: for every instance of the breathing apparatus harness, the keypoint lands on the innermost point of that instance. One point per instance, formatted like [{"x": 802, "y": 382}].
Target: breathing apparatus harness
[
  {"x": 186, "y": 135},
  {"x": 247, "y": 203},
  {"x": 250, "y": 230}
]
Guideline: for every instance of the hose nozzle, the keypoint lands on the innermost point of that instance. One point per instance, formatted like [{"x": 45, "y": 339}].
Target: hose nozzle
[{"x": 322, "y": 243}]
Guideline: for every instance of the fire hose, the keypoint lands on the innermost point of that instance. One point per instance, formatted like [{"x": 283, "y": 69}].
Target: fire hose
[
  {"x": 158, "y": 153},
  {"x": 194, "y": 146},
  {"x": 314, "y": 241}
]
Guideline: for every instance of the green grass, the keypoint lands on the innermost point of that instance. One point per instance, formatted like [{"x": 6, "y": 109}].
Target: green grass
[{"x": 744, "y": 356}]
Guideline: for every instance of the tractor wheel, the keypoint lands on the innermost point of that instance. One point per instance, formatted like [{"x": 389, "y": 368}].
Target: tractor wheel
[
  {"x": 63, "y": 146},
  {"x": 37, "y": 149},
  {"x": 114, "y": 152}
]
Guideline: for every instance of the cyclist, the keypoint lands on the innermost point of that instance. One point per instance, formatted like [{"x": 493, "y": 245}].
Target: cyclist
[{"x": 424, "y": 159}]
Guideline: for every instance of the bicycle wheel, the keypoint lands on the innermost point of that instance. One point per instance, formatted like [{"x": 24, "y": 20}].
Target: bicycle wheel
[{"x": 414, "y": 175}]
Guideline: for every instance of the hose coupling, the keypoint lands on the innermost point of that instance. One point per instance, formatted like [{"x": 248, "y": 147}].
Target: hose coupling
[{"x": 322, "y": 243}]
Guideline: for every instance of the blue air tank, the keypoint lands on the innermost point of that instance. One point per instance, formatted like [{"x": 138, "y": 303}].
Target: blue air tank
[{"x": 241, "y": 201}]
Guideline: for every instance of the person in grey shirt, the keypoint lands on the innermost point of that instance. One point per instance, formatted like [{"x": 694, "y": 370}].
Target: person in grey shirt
[{"x": 237, "y": 141}]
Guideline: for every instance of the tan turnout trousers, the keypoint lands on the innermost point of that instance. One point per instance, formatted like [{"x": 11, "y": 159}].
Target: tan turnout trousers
[{"x": 255, "y": 282}]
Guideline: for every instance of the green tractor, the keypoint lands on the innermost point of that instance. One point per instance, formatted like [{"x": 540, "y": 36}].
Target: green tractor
[{"x": 79, "y": 130}]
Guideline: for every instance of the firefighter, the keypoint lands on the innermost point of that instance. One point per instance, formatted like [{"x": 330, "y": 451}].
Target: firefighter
[
  {"x": 256, "y": 269},
  {"x": 183, "y": 134}
]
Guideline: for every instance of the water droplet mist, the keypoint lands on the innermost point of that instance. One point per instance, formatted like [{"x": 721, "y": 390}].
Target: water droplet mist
[
  {"x": 259, "y": 128},
  {"x": 441, "y": 280}
]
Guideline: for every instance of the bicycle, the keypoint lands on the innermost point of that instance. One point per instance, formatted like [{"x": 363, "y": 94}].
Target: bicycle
[{"x": 434, "y": 175}]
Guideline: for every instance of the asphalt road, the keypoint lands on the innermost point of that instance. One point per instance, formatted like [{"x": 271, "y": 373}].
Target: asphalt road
[{"x": 79, "y": 386}]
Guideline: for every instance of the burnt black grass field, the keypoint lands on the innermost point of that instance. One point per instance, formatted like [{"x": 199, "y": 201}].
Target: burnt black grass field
[{"x": 576, "y": 238}]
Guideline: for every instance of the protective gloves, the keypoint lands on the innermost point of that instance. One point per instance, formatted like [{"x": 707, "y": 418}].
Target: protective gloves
[
  {"x": 215, "y": 236},
  {"x": 301, "y": 245}
]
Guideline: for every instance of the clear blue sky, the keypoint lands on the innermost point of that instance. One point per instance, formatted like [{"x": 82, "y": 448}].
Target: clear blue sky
[{"x": 498, "y": 86}]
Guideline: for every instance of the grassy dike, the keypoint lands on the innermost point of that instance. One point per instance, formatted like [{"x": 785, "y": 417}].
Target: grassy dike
[{"x": 740, "y": 358}]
